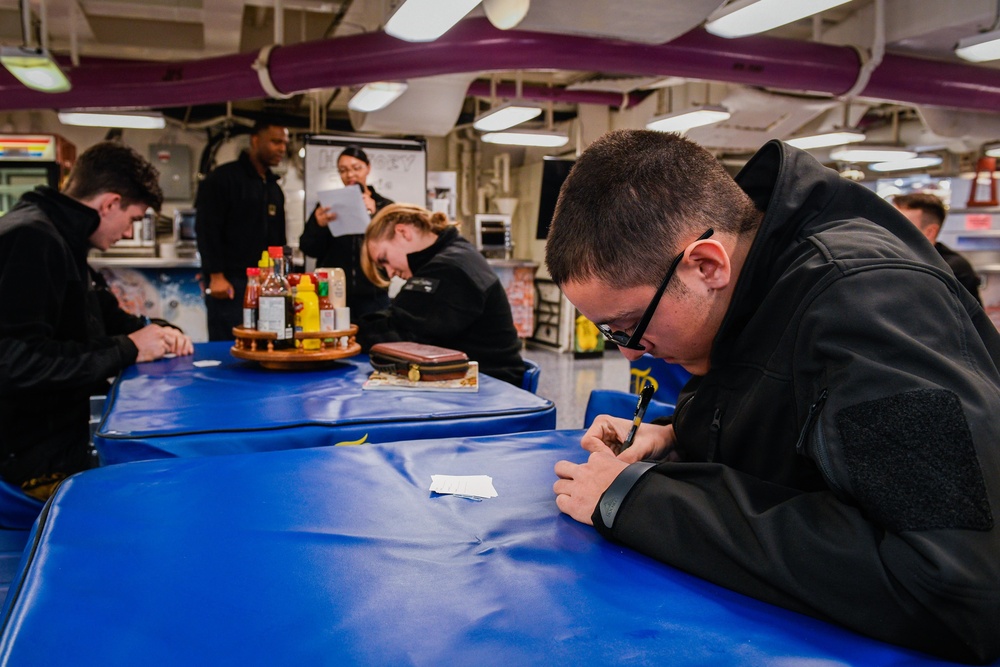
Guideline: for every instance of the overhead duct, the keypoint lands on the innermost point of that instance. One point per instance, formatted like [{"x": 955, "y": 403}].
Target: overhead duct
[
  {"x": 474, "y": 45},
  {"x": 438, "y": 98}
]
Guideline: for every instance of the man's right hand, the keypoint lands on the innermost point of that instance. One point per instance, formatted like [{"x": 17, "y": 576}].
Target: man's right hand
[
  {"x": 652, "y": 441},
  {"x": 219, "y": 287}
]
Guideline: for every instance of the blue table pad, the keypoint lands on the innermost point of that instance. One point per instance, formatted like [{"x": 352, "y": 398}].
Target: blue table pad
[
  {"x": 172, "y": 408},
  {"x": 341, "y": 556}
]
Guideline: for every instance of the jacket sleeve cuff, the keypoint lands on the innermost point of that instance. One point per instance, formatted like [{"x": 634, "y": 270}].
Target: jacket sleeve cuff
[
  {"x": 128, "y": 350},
  {"x": 613, "y": 498}
]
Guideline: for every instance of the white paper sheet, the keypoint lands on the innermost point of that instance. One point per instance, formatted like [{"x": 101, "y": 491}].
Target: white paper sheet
[
  {"x": 476, "y": 487},
  {"x": 349, "y": 206}
]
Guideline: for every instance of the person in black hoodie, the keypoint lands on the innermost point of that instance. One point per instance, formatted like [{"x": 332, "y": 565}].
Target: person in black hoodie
[
  {"x": 835, "y": 452},
  {"x": 452, "y": 298},
  {"x": 345, "y": 251},
  {"x": 61, "y": 336}
]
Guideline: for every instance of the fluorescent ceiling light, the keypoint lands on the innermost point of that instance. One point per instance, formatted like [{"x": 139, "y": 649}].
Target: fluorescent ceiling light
[
  {"x": 504, "y": 116},
  {"x": 993, "y": 151},
  {"x": 913, "y": 163},
  {"x": 546, "y": 139},
  {"x": 426, "y": 20},
  {"x": 35, "y": 68},
  {"x": 826, "y": 139},
  {"x": 980, "y": 48},
  {"x": 685, "y": 120},
  {"x": 506, "y": 14},
  {"x": 871, "y": 154},
  {"x": 134, "y": 120},
  {"x": 749, "y": 17},
  {"x": 376, "y": 95}
]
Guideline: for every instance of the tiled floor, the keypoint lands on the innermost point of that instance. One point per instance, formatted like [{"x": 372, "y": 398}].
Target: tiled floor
[{"x": 567, "y": 382}]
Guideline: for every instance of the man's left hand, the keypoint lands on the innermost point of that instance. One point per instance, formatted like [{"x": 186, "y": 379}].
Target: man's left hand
[{"x": 580, "y": 486}]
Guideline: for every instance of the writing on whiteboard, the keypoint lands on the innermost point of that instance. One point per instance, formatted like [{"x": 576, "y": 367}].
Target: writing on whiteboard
[{"x": 384, "y": 163}]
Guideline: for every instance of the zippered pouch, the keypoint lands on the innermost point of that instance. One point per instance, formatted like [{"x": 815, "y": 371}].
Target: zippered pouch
[{"x": 417, "y": 361}]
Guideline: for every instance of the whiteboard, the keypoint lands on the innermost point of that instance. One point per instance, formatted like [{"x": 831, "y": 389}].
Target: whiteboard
[{"x": 398, "y": 167}]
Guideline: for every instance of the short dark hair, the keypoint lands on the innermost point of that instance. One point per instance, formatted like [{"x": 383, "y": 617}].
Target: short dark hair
[
  {"x": 111, "y": 166},
  {"x": 355, "y": 152},
  {"x": 629, "y": 201},
  {"x": 928, "y": 204},
  {"x": 262, "y": 125}
]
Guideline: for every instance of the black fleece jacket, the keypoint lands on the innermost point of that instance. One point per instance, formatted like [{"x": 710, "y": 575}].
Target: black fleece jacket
[
  {"x": 239, "y": 214},
  {"x": 841, "y": 457},
  {"x": 454, "y": 299},
  {"x": 54, "y": 347}
]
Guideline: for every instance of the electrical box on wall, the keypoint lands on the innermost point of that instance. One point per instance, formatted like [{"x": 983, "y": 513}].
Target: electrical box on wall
[{"x": 173, "y": 161}]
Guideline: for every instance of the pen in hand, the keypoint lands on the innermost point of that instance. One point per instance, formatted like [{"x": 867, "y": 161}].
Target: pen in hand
[{"x": 640, "y": 410}]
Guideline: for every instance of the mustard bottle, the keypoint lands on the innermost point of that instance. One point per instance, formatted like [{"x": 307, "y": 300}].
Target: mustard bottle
[{"x": 307, "y": 312}]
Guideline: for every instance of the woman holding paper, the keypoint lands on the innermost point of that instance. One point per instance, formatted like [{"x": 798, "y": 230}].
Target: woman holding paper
[
  {"x": 452, "y": 298},
  {"x": 345, "y": 251}
]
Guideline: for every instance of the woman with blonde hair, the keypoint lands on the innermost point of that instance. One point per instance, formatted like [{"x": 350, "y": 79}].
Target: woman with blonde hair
[{"x": 451, "y": 298}]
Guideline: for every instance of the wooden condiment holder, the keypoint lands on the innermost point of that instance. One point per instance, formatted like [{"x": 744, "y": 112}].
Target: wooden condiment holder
[{"x": 254, "y": 345}]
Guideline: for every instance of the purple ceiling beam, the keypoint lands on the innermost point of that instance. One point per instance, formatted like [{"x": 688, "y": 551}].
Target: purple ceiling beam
[{"x": 474, "y": 45}]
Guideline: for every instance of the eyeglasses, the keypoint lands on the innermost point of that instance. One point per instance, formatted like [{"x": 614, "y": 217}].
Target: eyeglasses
[
  {"x": 354, "y": 169},
  {"x": 621, "y": 338}
]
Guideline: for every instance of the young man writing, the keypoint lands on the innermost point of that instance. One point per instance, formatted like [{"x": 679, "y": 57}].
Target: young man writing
[{"x": 836, "y": 452}]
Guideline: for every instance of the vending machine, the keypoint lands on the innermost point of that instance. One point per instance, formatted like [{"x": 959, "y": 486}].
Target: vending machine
[{"x": 29, "y": 160}]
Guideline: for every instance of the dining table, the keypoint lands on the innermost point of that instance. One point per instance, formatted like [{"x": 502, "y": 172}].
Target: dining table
[
  {"x": 443, "y": 551},
  {"x": 180, "y": 407}
]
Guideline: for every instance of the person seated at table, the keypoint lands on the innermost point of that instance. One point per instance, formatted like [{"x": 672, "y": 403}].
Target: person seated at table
[
  {"x": 61, "y": 336},
  {"x": 452, "y": 298},
  {"x": 836, "y": 452}
]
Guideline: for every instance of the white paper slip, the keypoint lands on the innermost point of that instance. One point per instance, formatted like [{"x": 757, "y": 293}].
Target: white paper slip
[
  {"x": 349, "y": 206},
  {"x": 467, "y": 486},
  {"x": 206, "y": 363}
]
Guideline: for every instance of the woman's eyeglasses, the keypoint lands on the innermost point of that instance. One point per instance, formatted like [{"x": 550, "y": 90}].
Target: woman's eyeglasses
[{"x": 622, "y": 339}]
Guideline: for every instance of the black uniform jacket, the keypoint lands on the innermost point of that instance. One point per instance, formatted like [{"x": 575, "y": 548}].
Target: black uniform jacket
[
  {"x": 454, "y": 299},
  {"x": 55, "y": 348},
  {"x": 345, "y": 252},
  {"x": 842, "y": 454},
  {"x": 239, "y": 214}
]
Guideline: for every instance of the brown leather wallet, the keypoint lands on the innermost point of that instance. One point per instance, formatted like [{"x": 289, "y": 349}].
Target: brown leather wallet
[{"x": 417, "y": 361}]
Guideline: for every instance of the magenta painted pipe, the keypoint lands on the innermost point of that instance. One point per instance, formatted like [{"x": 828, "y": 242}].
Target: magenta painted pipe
[{"x": 474, "y": 45}]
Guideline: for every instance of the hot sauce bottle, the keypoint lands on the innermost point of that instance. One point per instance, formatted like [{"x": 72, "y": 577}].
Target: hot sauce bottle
[
  {"x": 326, "y": 313},
  {"x": 251, "y": 298}
]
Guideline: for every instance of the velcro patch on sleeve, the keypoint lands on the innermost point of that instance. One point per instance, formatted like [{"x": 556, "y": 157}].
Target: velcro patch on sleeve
[
  {"x": 912, "y": 463},
  {"x": 421, "y": 285}
]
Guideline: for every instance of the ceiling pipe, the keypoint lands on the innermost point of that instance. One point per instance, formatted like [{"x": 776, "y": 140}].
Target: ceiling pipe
[{"x": 475, "y": 45}]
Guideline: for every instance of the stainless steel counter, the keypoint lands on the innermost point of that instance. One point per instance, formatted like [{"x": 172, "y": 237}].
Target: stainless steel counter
[
  {"x": 145, "y": 262},
  {"x": 514, "y": 263}
]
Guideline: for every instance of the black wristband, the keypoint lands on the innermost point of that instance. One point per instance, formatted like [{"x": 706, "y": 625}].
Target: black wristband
[{"x": 614, "y": 496}]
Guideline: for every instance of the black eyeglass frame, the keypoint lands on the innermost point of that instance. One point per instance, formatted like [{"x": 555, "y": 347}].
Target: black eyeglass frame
[{"x": 631, "y": 342}]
